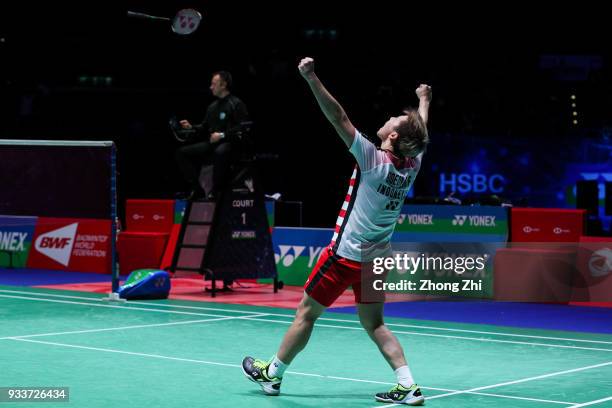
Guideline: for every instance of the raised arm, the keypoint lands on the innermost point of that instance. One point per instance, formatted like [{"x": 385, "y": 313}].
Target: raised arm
[
  {"x": 424, "y": 94},
  {"x": 328, "y": 104}
]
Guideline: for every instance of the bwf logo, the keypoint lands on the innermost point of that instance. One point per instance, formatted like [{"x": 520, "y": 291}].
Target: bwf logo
[
  {"x": 57, "y": 244},
  {"x": 459, "y": 220}
]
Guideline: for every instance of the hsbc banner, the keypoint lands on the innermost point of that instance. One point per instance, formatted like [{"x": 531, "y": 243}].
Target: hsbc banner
[
  {"x": 74, "y": 244},
  {"x": 15, "y": 240}
]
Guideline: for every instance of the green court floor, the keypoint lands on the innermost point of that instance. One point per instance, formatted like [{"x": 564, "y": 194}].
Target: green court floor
[{"x": 188, "y": 354}]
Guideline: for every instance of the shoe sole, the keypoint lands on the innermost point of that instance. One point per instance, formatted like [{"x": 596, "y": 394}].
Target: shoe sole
[
  {"x": 413, "y": 402},
  {"x": 258, "y": 383}
]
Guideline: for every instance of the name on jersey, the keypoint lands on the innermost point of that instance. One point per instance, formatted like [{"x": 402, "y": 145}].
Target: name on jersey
[{"x": 395, "y": 186}]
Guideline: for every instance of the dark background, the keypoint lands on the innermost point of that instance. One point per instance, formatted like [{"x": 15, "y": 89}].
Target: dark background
[{"x": 499, "y": 72}]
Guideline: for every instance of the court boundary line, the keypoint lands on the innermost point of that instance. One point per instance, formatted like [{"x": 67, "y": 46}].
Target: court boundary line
[
  {"x": 256, "y": 318},
  {"x": 107, "y": 350},
  {"x": 447, "y": 336},
  {"x": 121, "y": 307},
  {"x": 522, "y": 380},
  {"x": 585, "y": 404},
  {"x": 488, "y": 340},
  {"x": 140, "y": 326},
  {"x": 131, "y": 301},
  {"x": 332, "y": 319}
]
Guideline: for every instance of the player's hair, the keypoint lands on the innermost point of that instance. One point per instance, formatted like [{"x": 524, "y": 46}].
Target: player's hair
[{"x": 412, "y": 134}]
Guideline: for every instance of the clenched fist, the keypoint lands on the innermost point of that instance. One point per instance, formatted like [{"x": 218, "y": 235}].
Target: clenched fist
[
  {"x": 424, "y": 91},
  {"x": 306, "y": 67}
]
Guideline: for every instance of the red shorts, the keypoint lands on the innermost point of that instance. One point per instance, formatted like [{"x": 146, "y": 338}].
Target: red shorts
[{"x": 333, "y": 274}]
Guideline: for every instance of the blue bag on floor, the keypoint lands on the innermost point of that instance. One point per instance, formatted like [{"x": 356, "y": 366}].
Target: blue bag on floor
[{"x": 146, "y": 284}]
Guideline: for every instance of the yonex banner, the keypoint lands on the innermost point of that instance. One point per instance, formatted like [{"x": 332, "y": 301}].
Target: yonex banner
[
  {"x": 481, "y": 229},
  {"x": 72, "y": 244},
  {"x": 15, "y": 240},
  {"x": 297, "y": 250},
  {"x": 451, "y": 223}
]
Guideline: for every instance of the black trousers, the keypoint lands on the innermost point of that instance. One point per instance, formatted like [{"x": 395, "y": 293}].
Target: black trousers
[{"x": 191, "y": 158}]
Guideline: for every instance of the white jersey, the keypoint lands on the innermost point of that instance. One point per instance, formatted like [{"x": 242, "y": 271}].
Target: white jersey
[{"x": 374, "y": 200}]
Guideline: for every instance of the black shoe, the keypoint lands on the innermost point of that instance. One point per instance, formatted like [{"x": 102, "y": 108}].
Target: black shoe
[
  {"x": 257, "y": 371},
  {"x": 402, "y": 395}
]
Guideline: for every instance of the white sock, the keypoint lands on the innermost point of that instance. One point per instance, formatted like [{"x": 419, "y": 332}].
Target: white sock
[
  {"x": 276, "y": 368},
  {"x": 404, "y": 376}
]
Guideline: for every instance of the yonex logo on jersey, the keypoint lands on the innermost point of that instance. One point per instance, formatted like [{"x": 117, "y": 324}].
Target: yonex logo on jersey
[
  {"x": 392, "y": 205},
  {"x": 459, "y": 220}
]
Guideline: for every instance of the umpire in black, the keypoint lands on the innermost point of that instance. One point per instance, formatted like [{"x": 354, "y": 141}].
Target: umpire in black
[{"x": 217, "y": 138}]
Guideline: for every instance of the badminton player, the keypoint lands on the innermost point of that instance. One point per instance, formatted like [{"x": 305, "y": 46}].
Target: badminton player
[{"x": 379, "y": 183}]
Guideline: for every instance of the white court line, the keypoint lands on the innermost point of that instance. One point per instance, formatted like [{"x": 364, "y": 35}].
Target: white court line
[
  {"x": 317, "y": 324},
  {"x": 122, "y": 307},
  {"x": 130, "y": 302},
  {"x": 140, "y": 326},
  {"x": 446, "y": 336},
  {"x": 447, "y": 390},
  {"x": 486, "y": 394},
  {"x": 238, "y": 366},
  {"x": 538, "y": 377},
  {"x": 22, "y": 338},
  {"x": 335, "y": 320},
  {"x": 591, "y": 402}
]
